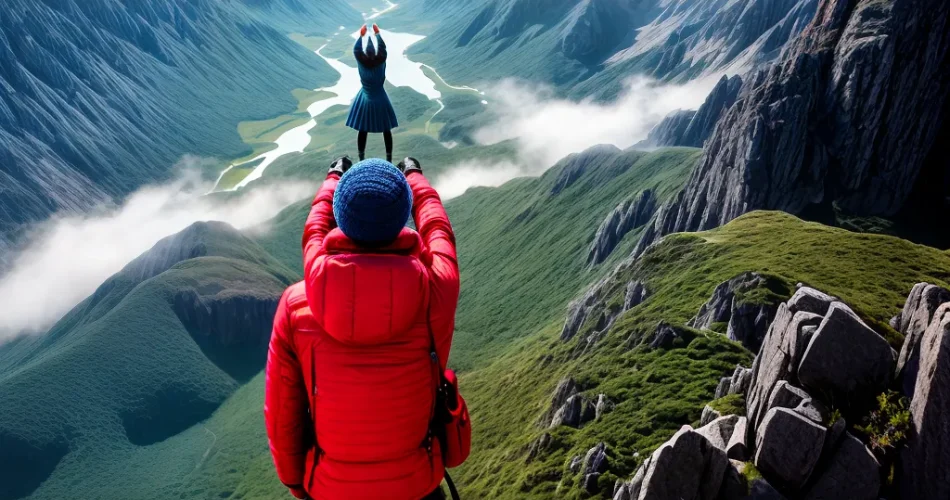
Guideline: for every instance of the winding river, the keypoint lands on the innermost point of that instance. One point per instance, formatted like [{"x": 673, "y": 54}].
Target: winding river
[{"x": 400, "y": 72}]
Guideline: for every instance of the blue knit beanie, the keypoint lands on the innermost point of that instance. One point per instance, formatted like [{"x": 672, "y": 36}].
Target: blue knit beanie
[{"x": 372, "y": 202}]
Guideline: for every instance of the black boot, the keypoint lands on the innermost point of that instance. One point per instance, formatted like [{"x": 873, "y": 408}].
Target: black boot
[
  {"x": 389, "y": 157},
  {"x": 362, "y": 155}
]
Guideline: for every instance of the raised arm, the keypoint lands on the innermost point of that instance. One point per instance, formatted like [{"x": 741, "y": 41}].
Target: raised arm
[
  {"x": 433, "y": 225},
  {"x": 320, "y": 221},
  {"x": 285, "y": 405}
]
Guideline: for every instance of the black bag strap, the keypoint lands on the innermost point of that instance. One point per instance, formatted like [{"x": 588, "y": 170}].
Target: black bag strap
[
  {"x": 440, "y": 381},
  {"x": 451, "y": 484}
]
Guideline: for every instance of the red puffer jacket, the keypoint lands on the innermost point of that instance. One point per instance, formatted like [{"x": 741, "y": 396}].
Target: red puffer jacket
[{"x": 352, "y": 343}]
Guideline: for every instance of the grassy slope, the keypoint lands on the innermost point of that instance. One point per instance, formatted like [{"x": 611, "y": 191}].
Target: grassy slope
[
  {"x": 122, "y": 364},
  {"x": 657, "y": 391},
  {"x": 523, "y": 250}
]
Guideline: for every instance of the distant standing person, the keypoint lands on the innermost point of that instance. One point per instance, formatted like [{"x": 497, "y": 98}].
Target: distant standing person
[{"x": 372, "y": 112}]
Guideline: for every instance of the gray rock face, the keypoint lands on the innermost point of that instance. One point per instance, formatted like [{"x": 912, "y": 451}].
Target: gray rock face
[
  {"x": 788, "y": 447},
  {"x": 595, "y": 464},
  {"x": 686, "y": 466},
  {"x": 629, "y": 215},
  {"x": 566, "y": 387},
  {"x": 924, "y": 473},
  {"x": 577, "y": 312},
  {"x": 921, "y": 304},
  {"x": 575, "y": 411},
  {"x": 736, "y": 448},
  {"x": 828, "y": 123},
  {"x": 747, "y": 322},
  {"x": 635, "y": 295},
  {"x": 719, "y": 431},
  {"x": 776, "y": 361},
  {"x": 708, "y": 415},
  {"x": 845, "y": 358},
  {"x": 785, "y": 395},
  {"x": 692, "y": 128},
  {"x": 671, "y": 131},
  {"x": 851, "y": 473},
  {"x": 725, "y": 383},
  {"x": 663, "y": 337},
  {"x": 741, "y": 378},
  {"x": 811, "y": 300}
]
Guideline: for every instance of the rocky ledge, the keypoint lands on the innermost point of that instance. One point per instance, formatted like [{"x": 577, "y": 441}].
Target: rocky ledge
[{"x": 815, "y": 400}]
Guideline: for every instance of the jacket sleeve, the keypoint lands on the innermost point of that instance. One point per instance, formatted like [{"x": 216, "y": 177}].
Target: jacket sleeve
[
  {"x": 433, "y": 225},
  {"x": 286, "y": 407},
  {"x": 320, "y": 221}
]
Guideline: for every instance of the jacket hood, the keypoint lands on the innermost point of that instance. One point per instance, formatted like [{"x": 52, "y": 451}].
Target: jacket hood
[{"x": 365, "y": 296}]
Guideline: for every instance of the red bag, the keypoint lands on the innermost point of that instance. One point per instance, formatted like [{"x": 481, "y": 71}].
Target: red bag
[{"x": 456, "y": 439}]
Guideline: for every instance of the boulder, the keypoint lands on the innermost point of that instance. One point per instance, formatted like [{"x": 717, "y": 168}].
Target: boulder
[
  {"x": 566, "y": 387},
  {"x": 719, "y": 431},
  {"x": 919, "y": 309},
  {"x": 851, "y": 473},
  {"x": 663, "y": 336},
  {"x": 631, "y": 489},
  {"x": 596, "y": 459},
  {"x": 785, "y": 395},
  {"x": 747, "y": 322},
  {"x": 775, "y": 362},
  {"x": 725, "y": 383},
  {"x": 635, "y": 294},
  {"x": 810, "y": 300},
  {"x": 589, "y": 484},
  {"x": 846, "y": 359},
  {"x": 813, "y": 410},
  {"x": 575, "y": 411},
  {"x": 574, "y": 464},
  {"x": 741, "y": 378},
  {"x": 686, "y": 466},
  {"x": 734, "y": 484},
  {"x": 925, "y": 474},
  {"x": 736, "y": 448},
  {"x": 594, "y": 464},
  {"x": 788, "y": 447},
  {"x": 708, "y": 415},
  {"x": 760, "y": 489}
]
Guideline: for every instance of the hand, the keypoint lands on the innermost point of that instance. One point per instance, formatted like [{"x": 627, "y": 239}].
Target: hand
[
  {"x": 409, "y": 165},
  {"x": 363, "y": 30},
  {"x": 340, "y": 165},
  {"x": 375, "y": 28},
  {"x": 299, "y": 493}
]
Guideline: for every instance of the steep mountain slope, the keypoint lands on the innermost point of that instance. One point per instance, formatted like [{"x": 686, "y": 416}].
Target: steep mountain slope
[
  {"x": 847, "y": 121},
  {"x": 651, "y": 387},
  {"x": 591, "y": 47},
  {"x": 100, "y": 97},
  {"x": 155, "y": 350}
]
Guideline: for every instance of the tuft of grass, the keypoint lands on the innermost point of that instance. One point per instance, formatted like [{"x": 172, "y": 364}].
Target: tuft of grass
[{"x": 733, "y": 404}]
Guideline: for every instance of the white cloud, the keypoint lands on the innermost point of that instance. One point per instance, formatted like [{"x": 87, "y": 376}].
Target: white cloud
[
  {"x": 462, "y": 176},
  {"x": 67, "y": 257},
  {"x": 546, "y": 128}
]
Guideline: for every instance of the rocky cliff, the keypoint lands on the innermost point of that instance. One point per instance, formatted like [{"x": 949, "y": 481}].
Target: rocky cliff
[
  {"x": 847, "y": 118},
  {"x": 812, "y": 426},
  {"x": 692, "y": 128}
]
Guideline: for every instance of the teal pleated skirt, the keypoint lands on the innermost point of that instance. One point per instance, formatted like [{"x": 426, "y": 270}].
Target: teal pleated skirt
[{"x": 372, "y": 112}]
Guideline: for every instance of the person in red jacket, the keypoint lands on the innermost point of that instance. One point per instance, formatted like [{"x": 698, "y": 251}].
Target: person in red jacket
[{"x": 358, "y": 345}]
